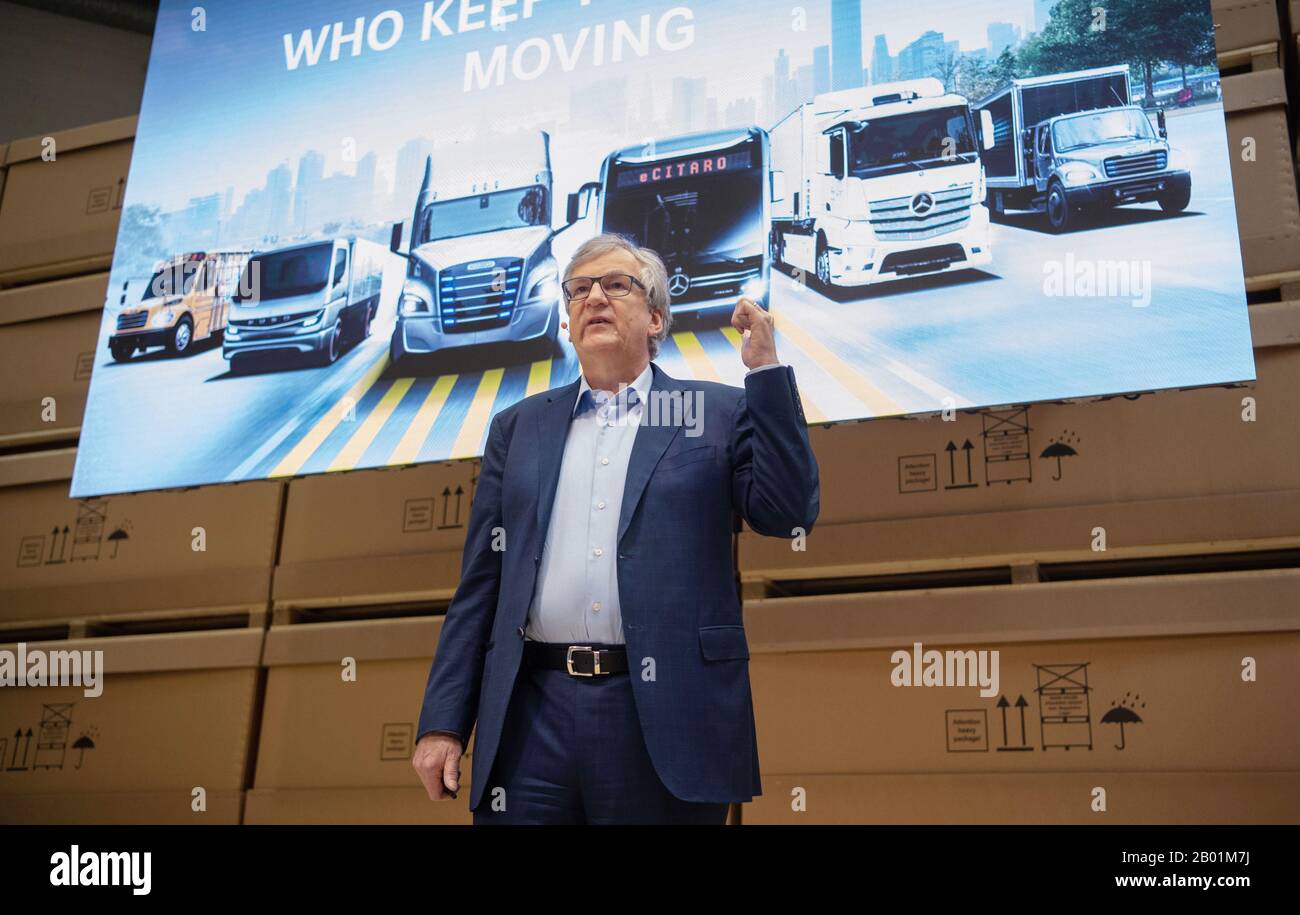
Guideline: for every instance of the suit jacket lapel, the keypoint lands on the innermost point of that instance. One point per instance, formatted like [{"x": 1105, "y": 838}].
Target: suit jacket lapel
[
  {"x": 647, "y": 448},
  {"x": 552, "y": 430}
]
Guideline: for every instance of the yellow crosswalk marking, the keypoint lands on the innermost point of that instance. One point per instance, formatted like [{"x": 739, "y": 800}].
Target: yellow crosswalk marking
[
  {"x": 408, "y": 449},
  {"x": 480, "y": 412},
  {"x": 356, "y": 446},
  {"x": 539, "y": 377},
  {"x": 810, "y": 410},
  {"x": 876, "y": 400},
  {"x": 689, "y": 346},
  {"x": 301, "y": 452}
]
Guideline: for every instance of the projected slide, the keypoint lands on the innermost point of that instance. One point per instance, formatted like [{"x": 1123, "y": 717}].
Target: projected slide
[{"x": 345, "y": 222}]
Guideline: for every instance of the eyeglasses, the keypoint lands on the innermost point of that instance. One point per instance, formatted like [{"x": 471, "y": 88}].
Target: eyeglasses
[{"x": 613, "y": 284}]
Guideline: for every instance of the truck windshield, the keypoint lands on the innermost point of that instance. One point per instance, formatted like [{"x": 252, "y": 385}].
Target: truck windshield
[
  {"x": 174, "y": 279},
  {"x": 692, "y": 210},
  {"x": 482, "y": 213},
  {"x": 284, "y": 273},
  {"x": 921, "y": 139},
  {"x": 1100, "y": 127}
]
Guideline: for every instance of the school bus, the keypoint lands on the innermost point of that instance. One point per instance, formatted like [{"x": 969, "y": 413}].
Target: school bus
[{"x": 187, "y": 301}]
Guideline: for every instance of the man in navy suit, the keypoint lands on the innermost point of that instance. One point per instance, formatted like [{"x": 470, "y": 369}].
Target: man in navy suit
[{"x": 596, "y": 635}]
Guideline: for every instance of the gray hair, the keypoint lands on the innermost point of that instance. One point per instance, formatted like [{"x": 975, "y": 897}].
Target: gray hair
[{"x": 653, "y": 274}]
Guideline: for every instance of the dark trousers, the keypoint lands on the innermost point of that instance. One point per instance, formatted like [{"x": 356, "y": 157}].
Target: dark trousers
[{"x": 572, "y": 751}]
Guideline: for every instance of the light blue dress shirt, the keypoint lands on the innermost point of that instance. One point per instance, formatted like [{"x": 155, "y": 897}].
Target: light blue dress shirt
[{"x": 576, "y": 598}]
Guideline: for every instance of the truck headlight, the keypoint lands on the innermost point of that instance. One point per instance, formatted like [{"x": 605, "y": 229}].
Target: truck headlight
[
  {"x": 162, "y": 319},
  {"x": 1178, "y": 160},
  {"x": 413, "y": 304},
  {"x": 543, "y": 283},
  {"x": 1075, "y": 173},
  {"x": 754, "y": 289},
  {"x": 314, "y": 319}
]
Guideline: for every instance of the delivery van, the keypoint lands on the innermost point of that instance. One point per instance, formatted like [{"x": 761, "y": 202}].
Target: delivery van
[{"x": 314, "y": 298}]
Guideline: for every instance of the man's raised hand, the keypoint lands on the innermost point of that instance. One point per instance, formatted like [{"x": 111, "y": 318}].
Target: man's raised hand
[{"x": 756, "y": 327}]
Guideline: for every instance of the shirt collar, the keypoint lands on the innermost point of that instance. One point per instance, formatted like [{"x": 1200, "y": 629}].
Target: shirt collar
[{"x": 641, "y": 384}]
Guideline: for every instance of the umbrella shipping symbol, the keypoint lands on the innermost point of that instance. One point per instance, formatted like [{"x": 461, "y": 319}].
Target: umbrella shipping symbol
[{"x": 1122, "y": 712}]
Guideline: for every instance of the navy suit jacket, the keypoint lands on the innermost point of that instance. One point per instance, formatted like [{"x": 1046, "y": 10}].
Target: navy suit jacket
[{"x": 676, "y": 573}]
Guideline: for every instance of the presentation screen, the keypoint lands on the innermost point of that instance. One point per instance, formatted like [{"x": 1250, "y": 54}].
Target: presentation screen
[{"x": 346, "y": 223}]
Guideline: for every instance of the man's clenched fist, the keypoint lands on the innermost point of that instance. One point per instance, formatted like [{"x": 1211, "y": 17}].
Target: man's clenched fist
[
  {"x": 437, "y": 760},
  {"x": 756, "y": 326}
]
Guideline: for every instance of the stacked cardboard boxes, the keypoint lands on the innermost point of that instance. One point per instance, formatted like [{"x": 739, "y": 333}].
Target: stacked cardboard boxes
[{"x": 1124, "y": 700}]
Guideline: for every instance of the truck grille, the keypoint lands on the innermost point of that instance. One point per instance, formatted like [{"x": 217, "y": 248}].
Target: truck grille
[
  {"x": 270, "y": 321},
  {"x": 716, "y": 283},
  {"x": 479, "y": 295},
  {"x": 132, "y": 321},
  {"x": 922, "y": 215},
  {"x": 1123, "y": 166}
]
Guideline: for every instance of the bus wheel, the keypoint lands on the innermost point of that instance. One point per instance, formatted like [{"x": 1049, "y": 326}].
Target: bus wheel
[
  {"x": 823, "y": 263},
  {"x": 181, "y": 336},
  {"x": 1059, "y": 216},
  {"x": 122, "y": 352}
]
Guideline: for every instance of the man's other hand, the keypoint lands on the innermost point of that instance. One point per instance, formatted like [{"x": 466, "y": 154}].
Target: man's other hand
[
  {"x": 756, "y": 327},
  {"x": 437, "y": 760}
]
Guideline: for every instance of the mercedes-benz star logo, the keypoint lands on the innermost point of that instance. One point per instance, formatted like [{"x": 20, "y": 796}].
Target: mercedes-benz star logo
[
  {"x": 922, "y": 203},
  {"x": 678, "y": 283}
]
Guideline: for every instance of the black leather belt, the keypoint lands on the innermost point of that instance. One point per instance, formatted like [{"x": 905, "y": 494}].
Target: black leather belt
[{"x": 577, "y": 660}]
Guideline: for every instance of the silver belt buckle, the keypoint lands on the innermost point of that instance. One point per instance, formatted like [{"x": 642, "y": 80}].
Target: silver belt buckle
[{"x": 595, "y": 661}]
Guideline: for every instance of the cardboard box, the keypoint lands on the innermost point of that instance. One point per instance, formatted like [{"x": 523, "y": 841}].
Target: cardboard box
[
  {"x": 59, "y": 216},
  {"x": 334, "y": 751},
  {"x": 1141, "y": 674},
  {"x": 48, "y": 336},
  {"x": 86, "y": 559},
  {"x": 1021, "y": 484},
  {"x": 1268, "y": 215},
  {"x": 1039, "y": 798},
  {"x": 1243, "y": 26},
  {"x": 177, "y": 711},
  {"x": 375, "y": 536}
]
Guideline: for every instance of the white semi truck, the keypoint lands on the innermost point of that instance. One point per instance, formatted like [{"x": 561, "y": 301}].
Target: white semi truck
[
  {"x": 480, "y": 268},
  {"x": 880, "y": 183}
]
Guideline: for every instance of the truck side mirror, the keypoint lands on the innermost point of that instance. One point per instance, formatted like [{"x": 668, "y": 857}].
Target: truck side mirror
[
  {"x": 986, "y": 129},
  {"x": 778, "y": 185},
  {"x": 578, "y": 203},
  {"x": 1160, "y": 124},
  {"x": 395, "y": 241}
]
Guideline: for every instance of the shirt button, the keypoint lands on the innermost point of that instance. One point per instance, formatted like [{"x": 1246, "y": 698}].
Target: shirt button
[
  {"x": 604, "y": 460},
  {"x": 596, "y": 606},
  {"x": 600, "y": 505},
  {"x": 597, "y": 551}
]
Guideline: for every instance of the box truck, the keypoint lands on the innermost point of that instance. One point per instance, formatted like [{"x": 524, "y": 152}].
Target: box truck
[
  {"x": 479, "y": 266},
  {"x": 314, "y": 298},
  {"x": 187, "y": 300},
  {"x": 880, "y": 183},
  {"x": 1072, "y": 143},
  {"x": 702, "y": 202}
]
